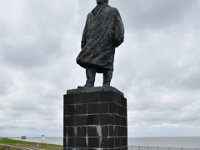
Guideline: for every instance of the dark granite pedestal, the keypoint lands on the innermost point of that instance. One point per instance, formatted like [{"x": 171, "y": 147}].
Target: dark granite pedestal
[{"x": 95, "y": 119}]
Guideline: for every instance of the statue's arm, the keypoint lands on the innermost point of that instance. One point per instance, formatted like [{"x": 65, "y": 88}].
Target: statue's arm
[
  {"x": 83, "y": 41},
  {"x": 119, "y": 30}
]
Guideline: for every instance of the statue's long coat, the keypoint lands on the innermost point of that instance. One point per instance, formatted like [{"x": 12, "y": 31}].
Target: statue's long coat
[{"x": 102, "y": 33}]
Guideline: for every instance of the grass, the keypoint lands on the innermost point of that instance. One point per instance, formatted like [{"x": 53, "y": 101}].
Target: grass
[{"x": 26, "y": 144}]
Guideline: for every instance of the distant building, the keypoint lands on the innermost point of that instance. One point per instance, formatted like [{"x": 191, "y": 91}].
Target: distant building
[{"x": 23, "y": 137}]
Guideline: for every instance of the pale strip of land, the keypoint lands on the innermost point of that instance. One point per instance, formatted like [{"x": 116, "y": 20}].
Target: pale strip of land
[{"x": 16, "y": 147}]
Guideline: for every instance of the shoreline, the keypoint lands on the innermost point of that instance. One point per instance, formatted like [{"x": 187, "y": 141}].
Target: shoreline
[{"x": 174, "y": 142}]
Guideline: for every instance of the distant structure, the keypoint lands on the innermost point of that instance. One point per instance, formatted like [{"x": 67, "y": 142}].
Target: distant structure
[{"x": 23, "y": 137}]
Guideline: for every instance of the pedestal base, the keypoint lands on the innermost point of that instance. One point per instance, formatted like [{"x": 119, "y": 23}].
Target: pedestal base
[{"x": 95, "y": 119}]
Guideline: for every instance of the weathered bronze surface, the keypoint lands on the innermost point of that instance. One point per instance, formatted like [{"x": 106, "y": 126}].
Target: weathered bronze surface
[{"x": 103, "y": 32}]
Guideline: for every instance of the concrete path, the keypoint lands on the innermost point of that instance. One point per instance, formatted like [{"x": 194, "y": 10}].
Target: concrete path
[{"x": 21, "y": 148}]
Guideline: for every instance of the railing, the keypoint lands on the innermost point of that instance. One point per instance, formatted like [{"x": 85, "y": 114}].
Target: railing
[{"x": 159, "y": 148}]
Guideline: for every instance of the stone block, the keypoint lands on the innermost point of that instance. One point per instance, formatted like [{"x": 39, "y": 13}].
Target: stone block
[{"x": 95, "y": 119}]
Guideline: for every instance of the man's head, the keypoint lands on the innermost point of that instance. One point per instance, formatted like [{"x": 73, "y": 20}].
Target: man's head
[{"x": 102, "y": 1}]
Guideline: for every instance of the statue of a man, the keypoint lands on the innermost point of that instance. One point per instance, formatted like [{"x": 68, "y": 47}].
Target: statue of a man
[{"x": 103, "y": 32}]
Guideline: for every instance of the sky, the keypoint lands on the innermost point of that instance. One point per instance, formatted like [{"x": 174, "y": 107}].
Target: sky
[{"x": 157, "y": 66}]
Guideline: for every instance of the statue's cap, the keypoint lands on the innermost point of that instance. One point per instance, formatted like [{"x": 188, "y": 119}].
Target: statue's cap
[{"x": 102, "y": 1}]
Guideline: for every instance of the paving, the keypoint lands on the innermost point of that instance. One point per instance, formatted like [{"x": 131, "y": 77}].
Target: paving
[{"x": 18, "y": 147}]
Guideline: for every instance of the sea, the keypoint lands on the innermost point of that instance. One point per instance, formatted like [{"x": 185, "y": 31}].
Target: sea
[{"x": 179, "y": 142}]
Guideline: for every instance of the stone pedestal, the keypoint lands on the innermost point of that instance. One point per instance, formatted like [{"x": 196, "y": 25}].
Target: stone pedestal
[{"x": 95, "y": 119}]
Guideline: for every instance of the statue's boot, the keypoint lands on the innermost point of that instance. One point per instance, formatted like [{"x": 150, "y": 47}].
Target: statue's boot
[
  {"x": 90, "y": 74},
  {"x": 107, "y": 77}
]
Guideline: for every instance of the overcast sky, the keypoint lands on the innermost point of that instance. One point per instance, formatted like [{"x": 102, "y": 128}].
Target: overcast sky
[{"x": 157, "y": 67}]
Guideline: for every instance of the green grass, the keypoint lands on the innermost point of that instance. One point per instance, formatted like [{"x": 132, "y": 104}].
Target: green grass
[{"x": 26, "y": 144}]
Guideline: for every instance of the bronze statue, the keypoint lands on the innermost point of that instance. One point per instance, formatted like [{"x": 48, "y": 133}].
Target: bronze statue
[{"x": 103, "y": 32}]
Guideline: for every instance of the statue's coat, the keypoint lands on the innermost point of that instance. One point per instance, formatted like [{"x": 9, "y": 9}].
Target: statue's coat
[{"x": 103, "y": 32}]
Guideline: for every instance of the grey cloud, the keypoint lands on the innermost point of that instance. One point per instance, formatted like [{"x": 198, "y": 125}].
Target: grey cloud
[
  {"x": 36, "y": 53},
  {"x": 155, "y": 14},
  {"x": 156, "y": 106},
  {"x": 42, "y": 27},
  {"x": 5, "y": 82},
  {"x": 164, "y": 13}
]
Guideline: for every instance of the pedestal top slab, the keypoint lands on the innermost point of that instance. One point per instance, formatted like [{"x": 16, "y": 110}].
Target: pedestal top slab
[{"x": 93, "y": 90}]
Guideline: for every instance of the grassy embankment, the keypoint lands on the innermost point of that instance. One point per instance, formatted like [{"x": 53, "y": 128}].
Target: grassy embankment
[{"x": 26, "y": 144}]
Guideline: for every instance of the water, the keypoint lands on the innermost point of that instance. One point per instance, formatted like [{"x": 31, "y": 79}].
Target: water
[{"x": 183, "y": 142}]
